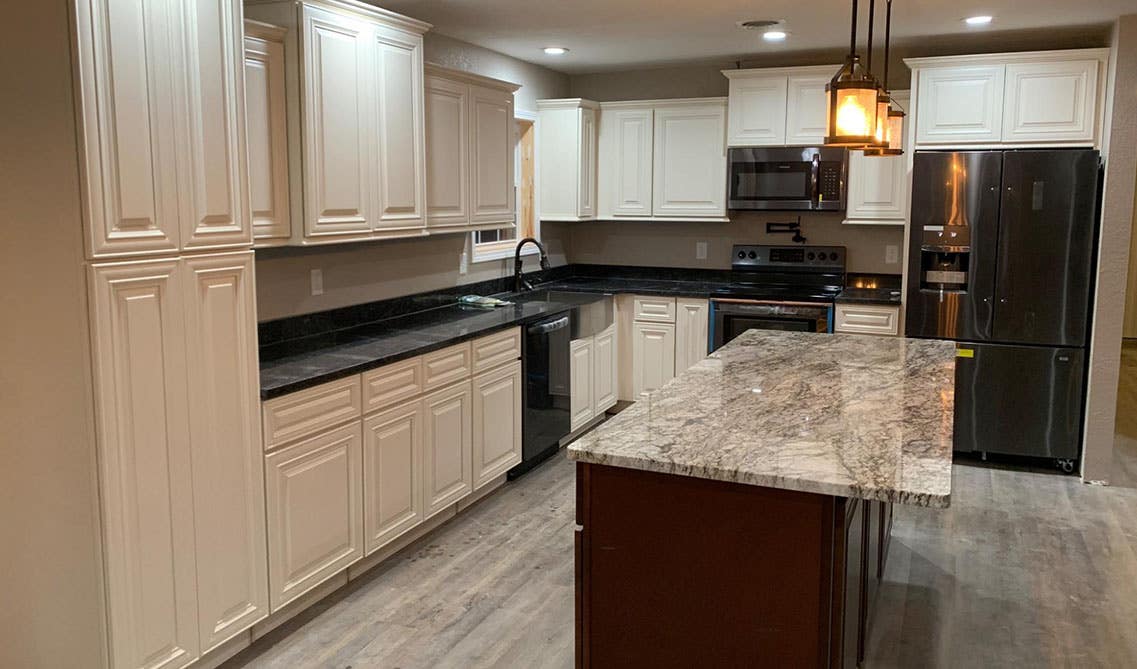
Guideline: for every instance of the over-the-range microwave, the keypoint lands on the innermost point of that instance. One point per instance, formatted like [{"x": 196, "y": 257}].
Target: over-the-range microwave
[{"x": 790, "y": 178}]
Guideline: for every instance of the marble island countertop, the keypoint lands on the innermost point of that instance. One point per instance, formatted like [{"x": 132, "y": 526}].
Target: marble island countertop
[{"x": 835, "y": 414}]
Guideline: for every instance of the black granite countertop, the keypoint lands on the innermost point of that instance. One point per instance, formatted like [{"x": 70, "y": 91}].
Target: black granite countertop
[{"x": 667, "y": 287}]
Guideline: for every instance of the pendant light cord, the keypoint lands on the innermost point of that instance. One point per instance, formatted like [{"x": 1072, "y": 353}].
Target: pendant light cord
[
  {"x": 887, "y": 40},
  {"x": 853, "y": 35}
]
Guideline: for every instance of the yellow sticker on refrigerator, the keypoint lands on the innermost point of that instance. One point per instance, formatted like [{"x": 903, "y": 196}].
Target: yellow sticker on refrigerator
[{"x": 965, "y": 353}]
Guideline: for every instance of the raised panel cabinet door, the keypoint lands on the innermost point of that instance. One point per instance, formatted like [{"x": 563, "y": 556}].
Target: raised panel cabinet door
[
  {"x": 690, "y": 161},
  {"x": 1051, "y": 102},
  {"x": 266, "y": 133},
  {"x": 125, "y": 53},
  {"x": 586, "y": 182},
  {"x": 447, "y": 461},
  {"x": 580, "y": 382},
  {"x": 604, "y": 374},
  {"x": 313, "y": 491},
  {"x": 625, "y": 161},
  {"x": 447, "y": 152},
  {"x": 805, "y": 110},
  {"x": 401, "y": 190},
  {"x": 145, "y": 467},
  {"x": 225, "y": 441},
  {"x": 758, "y": 111},
  {"x": 338, "y": 126},
  {"x": 692, "y": 326},
  {"x": 491, "y": 155},
  {"x": 392, "y": 473},
  {"x": 653, "y": 356},
  {"x": 878, "y": 186},
  {"x": 497, "y": 422},
  {"x": 214, "y": 183},
  {"x": 960, "y": 105}
]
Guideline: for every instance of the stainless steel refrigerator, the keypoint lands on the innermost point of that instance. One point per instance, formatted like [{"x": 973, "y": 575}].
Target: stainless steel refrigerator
[{"x": 1001, "y": 259}]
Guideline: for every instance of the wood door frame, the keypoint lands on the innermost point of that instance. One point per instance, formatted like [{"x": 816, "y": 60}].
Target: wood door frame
[{"x": 501, "y": 250}]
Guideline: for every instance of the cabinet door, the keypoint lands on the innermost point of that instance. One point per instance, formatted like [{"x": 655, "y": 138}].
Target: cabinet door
[
  {"x": 315, "y": 519},
  {"x": 392, "y": 474},
  {"x": 213, "y": 166},
  {"x": 692, "y": 324},
  {"x": 145, "y": 470},
  {"x": 653, "y": 356},
  {"x": 960, "y": 105},
  {"x": 580, "y": 382},
  {"x": 604, "y": 378},
  {"x": 586, "y": 205},
  {"x": 447, "y": 447},
  {"x": 690, "y": 161},
  {"x": 337, "y": 126},
  {"x": 266, "y": 130},
  {"x": 1051, "y": 102},
  {"x": 491, "y": 155},
  {"x": 401, "y": 187},
  {"x": 497, "y": 422},
  {"x": 447, "y": 152},
  {"x": 225, "y": 440},
  {"x": 126, "y": 100},
  {"x": 758, "y": 111},
  {"x": 867, "y": 319},
  {"x": 878, "y": 188},
  {"x": 625, "y": 161},
  {"x": 805, "y": 110}
]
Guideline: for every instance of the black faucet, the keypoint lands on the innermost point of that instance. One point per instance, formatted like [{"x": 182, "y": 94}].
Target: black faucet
[{"x": 520, "y": 284}]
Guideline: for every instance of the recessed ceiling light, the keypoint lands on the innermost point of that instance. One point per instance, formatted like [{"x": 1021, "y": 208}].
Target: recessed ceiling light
[
  {"x": 556, "y": 50},
  {"x": 978, "y": 20},
  {"x": 759, "y": 24},
  {"x": 774, "y": 35}
]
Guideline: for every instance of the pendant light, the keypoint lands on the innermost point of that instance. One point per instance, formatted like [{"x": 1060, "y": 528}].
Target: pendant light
[
  {"x": 851, "y": 100},
  {"x": 890, "y": 128}
]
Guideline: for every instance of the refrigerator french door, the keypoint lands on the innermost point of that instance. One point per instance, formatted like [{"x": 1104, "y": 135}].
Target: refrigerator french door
[{"x": 1001, "y": 260}]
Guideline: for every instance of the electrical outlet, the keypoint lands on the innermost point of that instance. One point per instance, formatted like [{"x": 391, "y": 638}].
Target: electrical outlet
[
  {"x": 317, "y": 282},
  {"x": 463, "y": 263},
  {"x": 700, "y": 250},
  {"x": 891, "y": 254}
]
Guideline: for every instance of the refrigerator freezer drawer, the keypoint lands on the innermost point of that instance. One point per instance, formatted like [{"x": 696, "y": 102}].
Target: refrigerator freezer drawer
[{"x": 1019, "y": 400}]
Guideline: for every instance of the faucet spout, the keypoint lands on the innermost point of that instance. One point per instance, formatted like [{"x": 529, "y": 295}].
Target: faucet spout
[{"x": 519, "y": 283}]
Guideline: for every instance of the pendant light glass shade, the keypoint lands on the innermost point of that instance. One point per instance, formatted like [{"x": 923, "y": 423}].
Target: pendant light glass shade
[
  {"x": 883, "y": 102},
  {"x": 851, "y": 108}
]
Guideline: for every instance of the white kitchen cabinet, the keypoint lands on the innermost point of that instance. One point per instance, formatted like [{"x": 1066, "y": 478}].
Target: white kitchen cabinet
[
  {"x": 145, "y": 462},
  {"x": 806, "y": 105},
  {"x": 877, "y": 191},
  {"x": 960, "y": 105},
  {"x": 757, "y": 110},
  {"x": 605, "y": 370},
  {"x": 625, "y": 160},
  {"x": 1051, "y": 101},
  {"x": 653, "y": 356},
  {"x": 689, "y": 171},
  {"x": 392, "y": 473},
  {"x": 315, "y": 511},
  {"x": 568, "y": 155},
  {"x": 496, "y": 422},
  {"x": 267, "y": 133},
  {"x": 491, "y": 155},
  {"x": 225, "y": 444},
  {"x": 447, "y": 448},
  {"x": 692, "y": 325},
  {"x": 400, "y": 188},
  {"x": 447, "y": 152},
  {"x": 867, "y": 319},
  {"x": 580, "y": 382}
]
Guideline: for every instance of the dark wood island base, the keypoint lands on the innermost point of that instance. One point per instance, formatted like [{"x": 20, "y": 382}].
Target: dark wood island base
[{"x": 683, "y": 572}]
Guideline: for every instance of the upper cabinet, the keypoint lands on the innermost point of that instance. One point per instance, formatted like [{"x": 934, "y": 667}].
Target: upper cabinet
[
  {"x": 469, "y": 151},
  {"x": 163, "y": 158},
  {"x": 568, "y": 139},
  {"x": 877, "y": 190},
  {"x": 355, "y": 151},
  {"x": 778, "y": 106},
  {"x": 662, "y": 160},
  {"x": 267, "y": 133},
  {"x": 1050, "y": 98}
]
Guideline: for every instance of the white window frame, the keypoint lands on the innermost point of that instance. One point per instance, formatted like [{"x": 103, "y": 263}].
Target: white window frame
[{"x": 491, "y": 251}]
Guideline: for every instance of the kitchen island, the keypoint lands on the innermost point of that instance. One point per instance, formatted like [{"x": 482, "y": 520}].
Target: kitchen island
[{"x": 740, "y": 515}]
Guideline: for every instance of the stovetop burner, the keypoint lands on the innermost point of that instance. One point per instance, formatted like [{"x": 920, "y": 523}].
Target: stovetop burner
[{"x": 786, "y": 273}]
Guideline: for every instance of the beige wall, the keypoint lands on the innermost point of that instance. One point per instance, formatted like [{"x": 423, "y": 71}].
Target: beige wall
[
  {"x": 537, "y": 82},
  {"x": 1113, "y": 251},
  {"x": 51, "y": 615}
]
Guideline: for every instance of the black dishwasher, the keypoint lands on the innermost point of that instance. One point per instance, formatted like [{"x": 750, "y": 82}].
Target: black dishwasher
[{"x": 546, "y": 418}]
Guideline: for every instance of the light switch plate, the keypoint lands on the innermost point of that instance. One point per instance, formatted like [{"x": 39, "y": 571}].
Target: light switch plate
[
  {"x": 891, "y": 254},
  {"x": 700, "y": 250},
  {"x": 317, "y": 282}
]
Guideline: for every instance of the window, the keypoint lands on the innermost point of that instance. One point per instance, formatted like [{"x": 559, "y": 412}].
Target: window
[{"x": 497, "y": 244}]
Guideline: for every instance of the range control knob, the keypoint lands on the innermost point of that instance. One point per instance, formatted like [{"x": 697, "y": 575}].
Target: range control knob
[
  {"x": 833, "y": 257},
  {"x": 741, "y": 255},
  {"x": 810, "y": 255},
  {"x": 752, "y": 255}
]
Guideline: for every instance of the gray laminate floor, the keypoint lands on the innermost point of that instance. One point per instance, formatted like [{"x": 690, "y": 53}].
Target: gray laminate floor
[{"x": 1026, "y": 569}]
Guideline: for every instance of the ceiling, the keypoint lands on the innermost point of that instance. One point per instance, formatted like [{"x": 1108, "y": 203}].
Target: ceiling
[{"x": 605, "y": 35}]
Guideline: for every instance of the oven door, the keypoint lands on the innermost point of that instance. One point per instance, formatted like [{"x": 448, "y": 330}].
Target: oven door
[
  {"x": 772, "y": 179},
  {"x": 731, "y": 319}
]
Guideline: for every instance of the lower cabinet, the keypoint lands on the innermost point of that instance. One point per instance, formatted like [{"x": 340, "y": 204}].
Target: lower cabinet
[
  {"x": 497, "y": 422},
  {"x": 593, "y": 372},
  {"x": 315, "y": 511},
  {"x": 653, "y": 356},
  {"x": 866, "y": 319},
  {"x": 580, "y": 382},
  {"x": 448, "y": 461},
  {"x": 605, "y": 369},
  {"x": 692, "y": 328},
  {"x": 392, "y": 473}
]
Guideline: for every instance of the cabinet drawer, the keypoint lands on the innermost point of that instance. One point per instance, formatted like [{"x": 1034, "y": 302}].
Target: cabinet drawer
[
  {"x": 867, "y": 319},
  {"x": 387, "y": 385},
  {"x": 446, "y": 366},
  {"x": 656, "y": 309},
  {"x": 309, "y": 411},
  {"x": 496, "y": 349}
]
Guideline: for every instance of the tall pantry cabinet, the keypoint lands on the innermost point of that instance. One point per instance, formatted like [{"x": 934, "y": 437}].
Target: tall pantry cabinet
[{"x": 160, "y": 116}]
